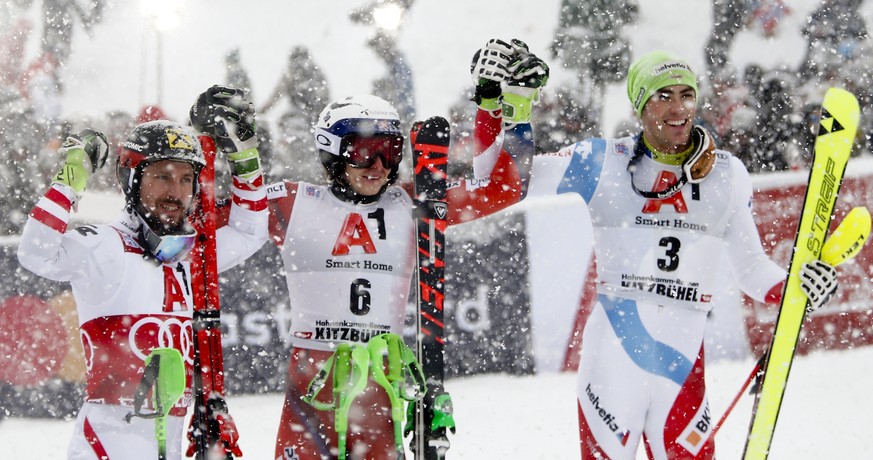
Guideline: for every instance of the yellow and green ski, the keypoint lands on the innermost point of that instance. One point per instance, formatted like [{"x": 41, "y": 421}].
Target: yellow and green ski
[{"x": 833, "y": 145}]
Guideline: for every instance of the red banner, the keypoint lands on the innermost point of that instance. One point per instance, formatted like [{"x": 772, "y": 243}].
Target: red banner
[{"x": 847, "y": 321}]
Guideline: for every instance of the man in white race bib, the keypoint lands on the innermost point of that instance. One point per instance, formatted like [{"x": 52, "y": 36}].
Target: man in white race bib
[
  {"x": 349, "y": 248},
  {"x": 664, "y": 204},
  {"x": 131, "y": 278}
]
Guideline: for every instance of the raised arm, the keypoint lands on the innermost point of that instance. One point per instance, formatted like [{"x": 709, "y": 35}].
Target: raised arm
[
  {"x": 223, "y": 113},
  {"x": 502, "y": 158},
  {"x": 43, "y": 249}
]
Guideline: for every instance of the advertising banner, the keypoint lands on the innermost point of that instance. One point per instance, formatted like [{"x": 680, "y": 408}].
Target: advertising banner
[{"x": 847, "y": 321}]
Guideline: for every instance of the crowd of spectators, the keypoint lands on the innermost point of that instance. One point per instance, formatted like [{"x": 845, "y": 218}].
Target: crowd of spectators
[{"x": 768, "y": 117}]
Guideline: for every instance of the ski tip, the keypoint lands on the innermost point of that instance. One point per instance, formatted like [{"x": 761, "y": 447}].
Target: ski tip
[
  {"x": 433, "y": 126},
  {"x": 849, "y": 237},
  {"x": 434, "y": 131},
  {"x": 437, "y": 122},
  {"x": 839, "y": 100},
  {"x": 838, "y": 124}
]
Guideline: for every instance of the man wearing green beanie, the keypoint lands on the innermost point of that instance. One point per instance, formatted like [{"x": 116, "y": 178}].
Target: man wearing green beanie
[
  {"x": 666, "y": 208},
  {"x": 654, "y": 71}
]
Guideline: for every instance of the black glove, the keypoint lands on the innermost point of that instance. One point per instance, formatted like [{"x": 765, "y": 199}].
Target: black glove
[
  {"x": 225, "y": 114},
  {"x": 228, "y": 116}
]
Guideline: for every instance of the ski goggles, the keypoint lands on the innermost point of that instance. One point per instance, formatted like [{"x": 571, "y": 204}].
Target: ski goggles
[
  {"x": 361, "y": 141},
  {"x": 168, "y": 249},
  {"x": 362, "y": 151},
  {"x": 174, "y": 248},
  {"x": 695, "y": 168}
]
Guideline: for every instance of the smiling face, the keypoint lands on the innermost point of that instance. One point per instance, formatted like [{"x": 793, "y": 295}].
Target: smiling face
[
  {"x": 166, "y": 194},
  {"x": 667, "y": 118},
  {"x": 367, "y": 181}
]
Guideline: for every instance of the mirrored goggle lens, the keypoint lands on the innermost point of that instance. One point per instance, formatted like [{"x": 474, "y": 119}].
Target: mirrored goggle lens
[
  {"x": 362, "y": 151},
  {"x": 174, "y": 248}
]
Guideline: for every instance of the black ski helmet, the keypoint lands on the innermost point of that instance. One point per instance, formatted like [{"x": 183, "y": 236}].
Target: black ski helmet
[
  {"x": 146, "y": 144},
  {"x": 362, "y": 115},
  {"x": 151, "y": 142}
]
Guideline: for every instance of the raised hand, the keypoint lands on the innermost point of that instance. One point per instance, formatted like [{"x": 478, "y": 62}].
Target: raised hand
[
  {"x": 489, "y": 68},
  {"x": 526, "y": 69},
  {"x": 84, "y": 153},
  {"x": 528, "y": 74},
  {"x": 228, "y": 116}
]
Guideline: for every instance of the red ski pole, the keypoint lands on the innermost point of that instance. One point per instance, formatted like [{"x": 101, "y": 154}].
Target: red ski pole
[{"x": 755, "y": 372}]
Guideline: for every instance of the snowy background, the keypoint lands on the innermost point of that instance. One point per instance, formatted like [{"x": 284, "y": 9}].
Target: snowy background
[
  {"x": 826, "y": 412},
  {"x": 113, "y": 67}
]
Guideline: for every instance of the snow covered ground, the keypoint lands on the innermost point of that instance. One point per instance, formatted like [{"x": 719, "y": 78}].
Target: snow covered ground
[
  {"x": 827, "y": 409},
  {"x": 827, "y": 413}
]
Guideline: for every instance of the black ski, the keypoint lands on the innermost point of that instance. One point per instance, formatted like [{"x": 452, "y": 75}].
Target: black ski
[{"x": 433, "y": 413}]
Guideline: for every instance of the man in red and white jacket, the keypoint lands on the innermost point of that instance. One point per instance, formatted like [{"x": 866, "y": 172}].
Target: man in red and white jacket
[{"x": 131, "y": 278}]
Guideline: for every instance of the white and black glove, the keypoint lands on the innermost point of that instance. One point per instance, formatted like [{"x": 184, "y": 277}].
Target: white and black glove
[
  {"x": 818, "y": 280},
  {"x": 228, "y": 116},
  {"x": 84, "y": 153},
  {"x": 489, "y": 69},
  {"x": 526, "y": 69},
  {"x": 527, "y": 75}
]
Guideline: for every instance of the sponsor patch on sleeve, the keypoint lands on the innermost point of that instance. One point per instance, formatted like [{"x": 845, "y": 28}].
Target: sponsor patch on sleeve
[{"x": 276, "y": 190}]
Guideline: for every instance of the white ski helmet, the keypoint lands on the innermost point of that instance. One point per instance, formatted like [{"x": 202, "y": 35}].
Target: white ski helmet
[{"x": 364, "y": 116}]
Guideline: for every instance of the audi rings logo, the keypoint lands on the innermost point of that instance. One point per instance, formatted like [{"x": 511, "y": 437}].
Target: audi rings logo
[{"x": 170, "y": 333}]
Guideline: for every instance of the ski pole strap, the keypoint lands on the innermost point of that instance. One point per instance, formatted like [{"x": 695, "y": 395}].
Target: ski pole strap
[
  {"x": 164, "y": 378},
  {"x": 402, "y": 381},
  {"x": 346, "y": 363},
  {"x": 351, "y": 383},
  {"x": 317, "y": 384},
  {"x": 149, "y": 375},
  {"x": 404, "y": 372},
  {"x": 350, "y": 365},
  {"x": 380, "y": 349}
]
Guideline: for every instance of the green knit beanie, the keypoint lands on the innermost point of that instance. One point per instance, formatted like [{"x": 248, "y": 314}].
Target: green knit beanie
[{"x": 654, "y": 71}]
